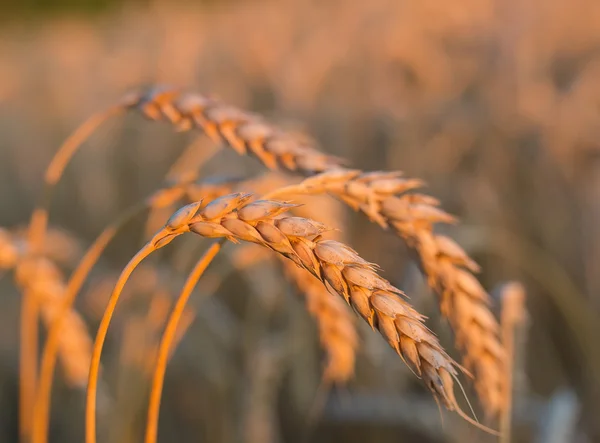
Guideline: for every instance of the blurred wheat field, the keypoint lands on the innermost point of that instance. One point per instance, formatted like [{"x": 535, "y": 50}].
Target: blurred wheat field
[{"x": 495, "y": 104}]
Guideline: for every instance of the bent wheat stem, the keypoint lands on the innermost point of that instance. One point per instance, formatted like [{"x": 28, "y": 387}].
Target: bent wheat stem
[
  {"x": 27, "y": 362},
  {"x": 90, "y": 401},
  {"x": 39, "y": 218},
  {"x": 168, "y": 338}
]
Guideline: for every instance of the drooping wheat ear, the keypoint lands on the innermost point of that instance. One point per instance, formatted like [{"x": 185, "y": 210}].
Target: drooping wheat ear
[
  {"x": 245, "y": 132},
  {"x": 337, "y": 332},
  {"x": 383, "y": 197},
  {"x": 335, "y": 265}
]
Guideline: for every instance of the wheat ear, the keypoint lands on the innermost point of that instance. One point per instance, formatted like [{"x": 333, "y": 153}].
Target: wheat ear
[
  {"x": 335, "y": 264},
  {"x": 242, "y": 131},
  {"x": 338, "y": 267},
  {"x": 342, "y": 271},
  {"x": 383, "y": 197},
  {"x": 337, "y": 332},
  {"x": 43, "y": 281}
]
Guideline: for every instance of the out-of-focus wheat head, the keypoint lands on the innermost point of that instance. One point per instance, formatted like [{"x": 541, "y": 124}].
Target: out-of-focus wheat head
[{"x": 44, "y": 280}]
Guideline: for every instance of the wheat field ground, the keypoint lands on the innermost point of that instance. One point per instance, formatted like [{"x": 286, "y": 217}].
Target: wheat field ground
[{"x": 446, "y": 151}]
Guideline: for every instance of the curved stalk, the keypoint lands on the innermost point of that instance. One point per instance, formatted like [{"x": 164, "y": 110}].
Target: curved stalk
[
  {"x": 39, "y": 218},
  {"x": 90, "y": 402},
  {"x": 168, "y": 337}
]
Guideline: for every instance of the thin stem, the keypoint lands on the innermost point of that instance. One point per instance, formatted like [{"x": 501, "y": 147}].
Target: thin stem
[
  {"x": 513, "y": 315},
  {"x": 28, "y": 362},
  {"x": 41, "y": 410},
  {"x": 168, "y": 337},
  {"x": 39, "y": 218},
  {"x": 90, "y": 403}
]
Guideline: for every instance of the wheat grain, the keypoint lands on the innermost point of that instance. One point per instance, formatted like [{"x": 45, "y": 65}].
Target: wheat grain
[
  {"x": 169, "y": 338},
  {"x": 383, "y": 197}
]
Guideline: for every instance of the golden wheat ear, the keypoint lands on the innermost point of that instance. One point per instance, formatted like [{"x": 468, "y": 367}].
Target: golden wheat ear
[{"x": 336, "y": 265}]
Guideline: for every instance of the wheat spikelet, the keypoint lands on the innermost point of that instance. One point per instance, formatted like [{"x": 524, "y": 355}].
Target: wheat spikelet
[
  {"x": 337, "y": 332},
  {"x": 340, "y": 268},
  {"x": 383, "y": 198}
]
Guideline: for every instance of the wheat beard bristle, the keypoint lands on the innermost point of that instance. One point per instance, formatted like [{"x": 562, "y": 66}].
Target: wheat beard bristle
[
  {"x": 383, "y": 197},
  {"x": 337, "y": 266}
]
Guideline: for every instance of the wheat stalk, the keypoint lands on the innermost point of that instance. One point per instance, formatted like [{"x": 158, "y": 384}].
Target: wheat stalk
[
  {"x": 514, "y": 315},
  {"x": 168, "y": 339},
  {"x": 383, "y": 197},
  {"x": 335, "y": 264}
]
